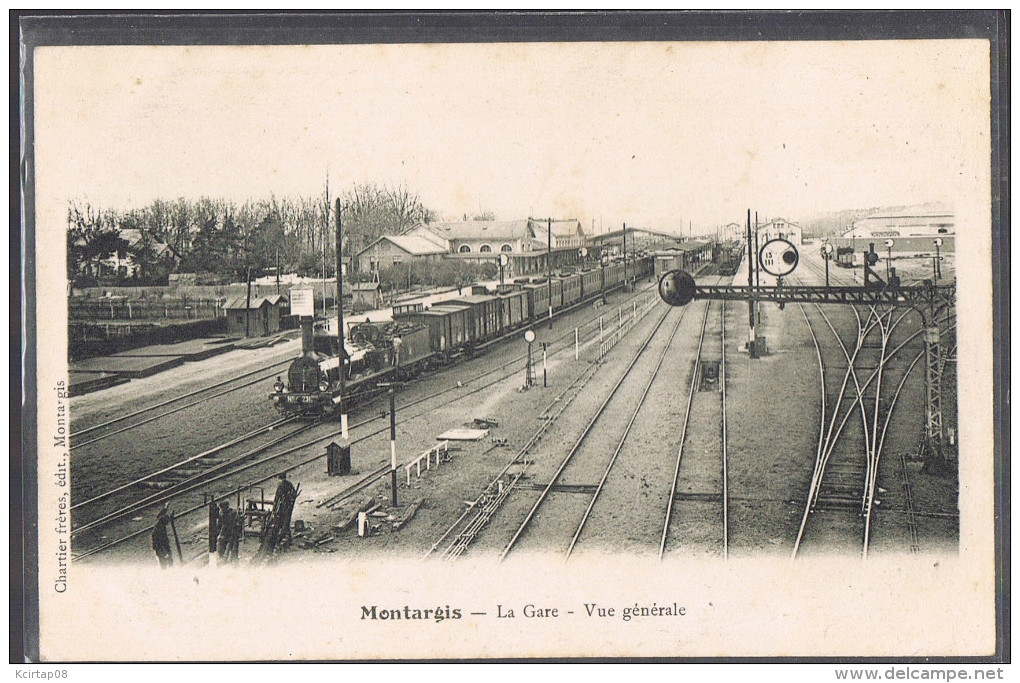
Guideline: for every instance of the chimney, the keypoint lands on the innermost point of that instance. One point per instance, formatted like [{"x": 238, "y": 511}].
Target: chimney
[{"x": 306, "y": 334}]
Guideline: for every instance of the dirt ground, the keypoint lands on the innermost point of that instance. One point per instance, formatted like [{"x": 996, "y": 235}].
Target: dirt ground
[{"x": 772, "y": 428}]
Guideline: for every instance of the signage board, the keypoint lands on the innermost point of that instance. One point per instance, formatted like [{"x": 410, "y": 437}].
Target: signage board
[{"x": 302, "y": 303}]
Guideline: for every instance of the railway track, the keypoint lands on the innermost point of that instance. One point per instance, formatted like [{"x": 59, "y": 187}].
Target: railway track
[
  {"x": 78, "y": 440},
  {"x": 545, "y": 494},
  {"x": 581, "y": 463},
  {"x": 841, "y": 478},
  {"x": 459, "y": 536},
  {"x": 703, "y": 483},
  {"x": 179, "y": 478},
  {"x": 577, "y": 486},
  {"x": 190, "y": 485},
  {"x": 495, "y": 493},
  {"x": 842, "y": 483}
]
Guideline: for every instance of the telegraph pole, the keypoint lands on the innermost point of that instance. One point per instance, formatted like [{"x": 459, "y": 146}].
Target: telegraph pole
[
  {"x": 545, "y": 371},
  {"x": 750, "y": 285},
  {"x": 625, "y": 257},
  {"x": 325, "y": 232},
  {"x": 603, "y": 257},
  {"x": 247, "y": 305},
  {"x": 757, "y": 270},
  {"x": 393, "y": 445},
  {"x": 548, "y": 265},
  {"x": 340, "y": 312}
]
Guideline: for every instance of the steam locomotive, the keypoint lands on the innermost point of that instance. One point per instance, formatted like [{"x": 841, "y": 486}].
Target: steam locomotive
[{"x": 419, "y": 338}]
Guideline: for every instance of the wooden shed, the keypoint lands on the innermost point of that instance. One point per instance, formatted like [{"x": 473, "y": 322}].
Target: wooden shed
[
  {"x": 365, "y": 296},
  {"x": 263, "y": 315},
  {"x": 669, "y": 259}
]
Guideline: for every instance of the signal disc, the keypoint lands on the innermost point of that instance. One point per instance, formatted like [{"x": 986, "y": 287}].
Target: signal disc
[{"x": 778, "y": 257}]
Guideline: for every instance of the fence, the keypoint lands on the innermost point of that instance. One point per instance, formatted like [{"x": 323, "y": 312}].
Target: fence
[
  {"x": 142, "y": 309},
  {"x": 440, "y": 450},
  {"x": 604, "y": 333},
  {"x": 88, "y": 339}
]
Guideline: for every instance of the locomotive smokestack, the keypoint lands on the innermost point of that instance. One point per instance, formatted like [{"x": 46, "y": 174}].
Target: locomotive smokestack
[{"x": 306, "y": 335}]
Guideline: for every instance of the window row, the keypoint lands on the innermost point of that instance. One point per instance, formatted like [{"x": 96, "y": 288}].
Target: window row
[{"x": 484, "y": 249}]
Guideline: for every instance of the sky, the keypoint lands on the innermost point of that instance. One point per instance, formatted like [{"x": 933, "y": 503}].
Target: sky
[{"x": 658, "y": 135}]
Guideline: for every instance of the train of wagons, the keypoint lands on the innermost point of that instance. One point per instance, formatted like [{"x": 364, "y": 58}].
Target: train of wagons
[{"x": 419, "y": 339}]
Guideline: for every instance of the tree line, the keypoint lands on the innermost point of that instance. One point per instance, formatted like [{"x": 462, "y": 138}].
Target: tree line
[{"x": 236, "y": 240}]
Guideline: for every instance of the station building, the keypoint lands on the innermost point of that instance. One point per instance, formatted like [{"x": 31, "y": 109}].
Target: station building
[
  {"x": 780, "y": 228},
  {"x": 524, "y": 241},
  {"x": 911, "y": 231},
  {"x": 414, "y": 245}
]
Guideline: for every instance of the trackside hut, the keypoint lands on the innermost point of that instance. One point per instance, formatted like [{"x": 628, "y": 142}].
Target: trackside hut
[
  {"x": 365, "y": 295},
  {"x": 263, "y": 315},
  {"x": 689, "y": 256}
]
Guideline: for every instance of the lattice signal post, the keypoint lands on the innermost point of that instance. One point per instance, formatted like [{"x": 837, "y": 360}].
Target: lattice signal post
[{"x": 933, "y": 432}]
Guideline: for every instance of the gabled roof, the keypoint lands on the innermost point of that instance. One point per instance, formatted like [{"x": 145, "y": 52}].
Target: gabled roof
[
  {"x": 474, "y": 230},
  {"x": 238, "y": 302},
  {"x": 364, "y": 286},
  {"x": 133, "y": 236},
  {"x": 570, "y": 227},
  {"x": 415, "y": 245},
  {"x": 422, "y": 230},
  {"x": 777, "y": 220}
]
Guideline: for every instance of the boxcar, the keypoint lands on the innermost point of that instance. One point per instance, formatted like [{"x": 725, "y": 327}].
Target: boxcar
[
  {"x": 513, "y": 308},
  {"x": 571, "y": 290},
  {"x": 485, "y": 314},
  {"x": 463, "y": 328},
  {"x": 449, "y": 327},
  {"x": 557, "y": 295},
  {"x": 415, "y": 345},
  {"x": 669, "y": 261},
  {"x": 591, "y": 283},
  {"x": 540, "y": 290}
]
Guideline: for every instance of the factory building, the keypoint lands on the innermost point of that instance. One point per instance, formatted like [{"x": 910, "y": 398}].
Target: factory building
[{"x": 910, "y": 223}]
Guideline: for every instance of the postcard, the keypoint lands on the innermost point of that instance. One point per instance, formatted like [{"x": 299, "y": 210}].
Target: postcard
[{"x": 507, "y": 444}]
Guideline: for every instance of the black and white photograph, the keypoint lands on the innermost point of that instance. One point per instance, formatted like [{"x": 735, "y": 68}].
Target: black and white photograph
[{"x": 508, "y": 346}]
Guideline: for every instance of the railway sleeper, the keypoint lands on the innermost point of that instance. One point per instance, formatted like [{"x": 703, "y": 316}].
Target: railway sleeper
[
  {"x": 156, "y": 484},
  {"x": 175, "y": 479},
  {"x": 852, "y": 470},
  {"x": 840, "y": 488},
  {"x": 588, "y": 489},
  {"x": 186, "y": 473},
  {"x": 699, "y": 496},
  {"x": 838, "y": 503},
  {"x": 847, "y": 478},
  {"x": 212, "y": 461}
]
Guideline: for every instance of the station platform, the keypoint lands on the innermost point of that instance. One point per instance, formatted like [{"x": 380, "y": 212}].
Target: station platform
[
  {"x": 191, "y": 350},
  {"x": 126, "y": 366},
  {"x": 85, "y": 382}
]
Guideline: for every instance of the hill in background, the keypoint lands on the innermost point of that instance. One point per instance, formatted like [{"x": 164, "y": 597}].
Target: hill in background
[{"x": 835, "y": 223}]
